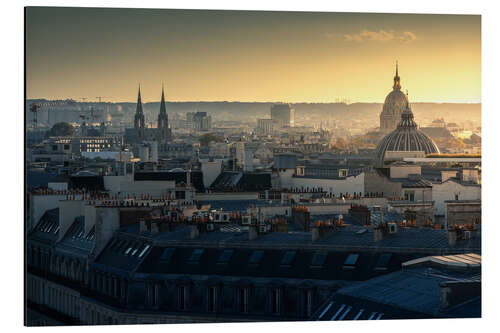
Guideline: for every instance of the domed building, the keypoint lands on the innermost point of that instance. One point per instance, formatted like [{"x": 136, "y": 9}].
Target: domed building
[
  {"x": 405, "y": 141},
  {"x": 394, "y": 105}
]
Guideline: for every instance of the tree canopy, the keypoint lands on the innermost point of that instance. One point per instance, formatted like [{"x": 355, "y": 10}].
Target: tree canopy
[
  {"x": 61, "y": 129},
  {"x": 205, "y": 139}
]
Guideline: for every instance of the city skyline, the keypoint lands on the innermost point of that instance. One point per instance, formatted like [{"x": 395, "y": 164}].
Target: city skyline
[{"x": 264, "y": 56}]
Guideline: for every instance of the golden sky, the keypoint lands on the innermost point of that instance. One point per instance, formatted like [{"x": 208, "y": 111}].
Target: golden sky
[{"x": 250, "y": 56}]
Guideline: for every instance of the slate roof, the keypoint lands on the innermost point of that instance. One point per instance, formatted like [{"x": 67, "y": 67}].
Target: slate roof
[
  {"x": 412, "y": 183},
  {"x": 196, "y": 177},
  {"x": 41, "y": 178},
  {"x": 130, "y": 252},
  {"x": 95, "y": 183},
  {"x": 229, "y": 205},
  {"x": 272, "y": 263},
  {"x": 76, "y": 241},
  {"x": 47, "y": 229},
  {"x": 403, "y": 294},
  {"x": 349, "y": 237},
  {"x": 416, "y": 290},
  {"x": 242, "y": 181}
]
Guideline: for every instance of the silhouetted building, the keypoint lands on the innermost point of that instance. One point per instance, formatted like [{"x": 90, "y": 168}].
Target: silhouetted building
[{"x": 283, "y": 115}]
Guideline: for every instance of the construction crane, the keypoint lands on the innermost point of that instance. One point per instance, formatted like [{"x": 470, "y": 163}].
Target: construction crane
[
  {"x": 35, "y": 107},
  {"x": 101, "y": 97}
]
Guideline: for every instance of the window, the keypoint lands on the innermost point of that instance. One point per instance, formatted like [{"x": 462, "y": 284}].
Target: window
[
  {"x": 275, "y": 301},
  {"x": 181, "y": 297},
  {"x": 195, "y": 255},
  {"x": 256, "y": 257},
  {"x": 351, "y": 259},
  {"x": 383, "y": 261},
  {"x": 154, "y": 294},
  {"x": 243, "y": 299},
  {"x": 225, "y": 256},
  {"x": 167, "y": 254},
  {"x": 212, "y": 299},
  {"x": 144, "y": 249},
  {"x": 307, "y": 298},
  {"x": 410, "y": 195},
  {"x": 318, "y": 259},
  {"x": 288, "y": 258}
]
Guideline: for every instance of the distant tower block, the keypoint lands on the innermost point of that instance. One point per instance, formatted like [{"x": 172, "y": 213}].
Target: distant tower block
[{"x": 283, "y": 115}]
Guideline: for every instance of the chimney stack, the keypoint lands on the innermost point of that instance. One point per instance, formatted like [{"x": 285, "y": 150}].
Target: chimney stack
[
  {"x": 194, "y": 232},
  {"x": 452, "y": 237},
  {"x": 142, "y": 226},
  {"x": 252, "y": 232},
  {"x": 378, "y": 234},
  {"x": 315, "y": 234}
]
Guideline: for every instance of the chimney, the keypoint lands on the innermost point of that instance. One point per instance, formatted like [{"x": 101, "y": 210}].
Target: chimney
[
  {"x": 155, "y": 228},
  {"x": 315, "y": 234},
  {"x": 452, "y": 237},
  {"x": 378, "y": 234},
  {"x": 194, "y": 232},
  {"x": 142, "y": 226},
  {"x": 252, "y": 232}
]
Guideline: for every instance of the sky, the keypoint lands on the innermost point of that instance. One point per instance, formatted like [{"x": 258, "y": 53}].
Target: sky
[{"x": 248, "y": 56}]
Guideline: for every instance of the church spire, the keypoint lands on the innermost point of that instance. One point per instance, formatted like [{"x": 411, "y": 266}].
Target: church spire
[
  {"x": 163, "y": 108},
  {"x": 397, "y": 80},
  {"x": 163, "y": 129},
  {"x": 139, "y": 123}
]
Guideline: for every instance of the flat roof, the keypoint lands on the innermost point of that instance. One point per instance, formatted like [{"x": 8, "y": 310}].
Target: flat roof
[{"x": 442, "y": 159}]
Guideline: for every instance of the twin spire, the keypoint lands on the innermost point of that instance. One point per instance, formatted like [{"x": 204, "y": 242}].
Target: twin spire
[{"x": 139, "y": 101}]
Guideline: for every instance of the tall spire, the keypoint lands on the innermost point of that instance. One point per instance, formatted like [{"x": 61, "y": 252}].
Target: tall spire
[
  {"x": 163, "y": 108},
  {"x": 397, "y": 80},
  {"x": 164, "y": 131},
  {"x": 139, "y": 123}
]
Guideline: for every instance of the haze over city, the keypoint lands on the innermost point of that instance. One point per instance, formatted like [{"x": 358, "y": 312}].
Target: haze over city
[
  {"x": 250, "y": 56},
  {"x": 188, "y": 166}
]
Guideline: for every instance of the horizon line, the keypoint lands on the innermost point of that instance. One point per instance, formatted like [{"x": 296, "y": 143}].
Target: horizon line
[{"x": 238, "y": 101}]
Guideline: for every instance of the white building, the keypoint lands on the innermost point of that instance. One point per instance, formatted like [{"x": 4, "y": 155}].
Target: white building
[{"x": 462, "y": 185}]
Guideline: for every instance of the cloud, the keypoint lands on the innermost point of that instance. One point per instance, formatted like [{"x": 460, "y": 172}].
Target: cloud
[
  {"x": 381, "y": 36},
  {"x": 407, "y": 37}
]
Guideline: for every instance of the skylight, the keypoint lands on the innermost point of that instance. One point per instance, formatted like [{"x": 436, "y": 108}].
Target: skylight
[
  {"x": 288, "y": 258},
  {"x": 146, "y": 247},
  {"x": 383, "y": 261},
  {"x": 351, "y": 259},
  {"x": 256, "y": 257},
  {"x": 225, "y": 256},
  {"x": 318, "y": 258},
  {"x": 167, "y": 254},
  {"x": 196, "y": 254}
]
